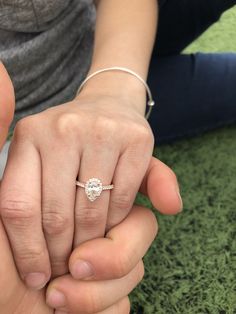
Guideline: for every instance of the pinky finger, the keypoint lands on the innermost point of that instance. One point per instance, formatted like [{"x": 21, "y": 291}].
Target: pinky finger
[{"x": 160, "y": 184}]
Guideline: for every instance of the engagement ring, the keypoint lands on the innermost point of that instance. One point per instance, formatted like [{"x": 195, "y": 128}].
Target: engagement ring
[{"x": 93, "y": 188}]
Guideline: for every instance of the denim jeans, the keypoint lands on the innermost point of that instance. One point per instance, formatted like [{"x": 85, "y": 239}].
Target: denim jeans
[{"x": 194, "y": 92}]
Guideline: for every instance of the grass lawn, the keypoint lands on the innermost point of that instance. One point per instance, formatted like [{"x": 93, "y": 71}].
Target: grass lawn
[{"x": 191, "y": 267}]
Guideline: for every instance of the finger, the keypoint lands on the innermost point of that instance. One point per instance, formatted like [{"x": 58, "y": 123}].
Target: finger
[
  {"x": 60, "y": 168},
  {"x": 161, "y": 186},
  {"x": 115, "y": 256},
  {"x": 7, "y": 103},
  {"x": 13, "y": 290},
  {"x": 121, "y": 307},
  {"x": 128, "y": 177},
  {"x": 97, "y": 161},
  {"x": 91, "y": 296},
  {"x": 20, "y": 206},
  {"x": 7, "y": 98},
  {"x": 10, "y": 282}
]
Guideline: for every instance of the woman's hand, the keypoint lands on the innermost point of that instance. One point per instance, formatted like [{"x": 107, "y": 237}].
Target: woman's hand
[{"x": 93, "y": 136}]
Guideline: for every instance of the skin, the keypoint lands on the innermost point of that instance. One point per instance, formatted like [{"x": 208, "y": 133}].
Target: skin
[
  {"x": 82, "y": 296},
  {"x": 101, "y": 133},
  {"x": 116, "y": 269},
  {"x": 7, "y": 103}
]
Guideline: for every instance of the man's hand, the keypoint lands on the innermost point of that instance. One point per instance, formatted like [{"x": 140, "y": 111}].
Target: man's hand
[
  {"x": 119, "y": 255},
  {"x": 15, "y": 297},
  {"x": 116, "y": 264},
  {"x": 7, "y": 103}
]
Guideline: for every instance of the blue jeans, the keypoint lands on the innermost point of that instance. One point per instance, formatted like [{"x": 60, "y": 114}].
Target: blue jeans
[{"x": 195, "y": 92}]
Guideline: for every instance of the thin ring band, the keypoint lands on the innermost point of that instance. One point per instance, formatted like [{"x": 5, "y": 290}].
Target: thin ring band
[{"x": 104, "y": 187}]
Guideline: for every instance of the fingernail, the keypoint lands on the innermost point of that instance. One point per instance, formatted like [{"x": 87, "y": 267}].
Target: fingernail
[
  {"x": 81, "y": 270},
  {"x": 181, "y": 201},
  {"x": 35, "y": 280},
  {"x": 56, "y": 298}
]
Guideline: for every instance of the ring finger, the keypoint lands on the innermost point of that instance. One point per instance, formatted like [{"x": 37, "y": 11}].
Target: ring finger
[{"x": 91, "y": 216}]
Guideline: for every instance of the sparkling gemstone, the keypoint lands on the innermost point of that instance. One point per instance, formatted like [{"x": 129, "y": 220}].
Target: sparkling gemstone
[{"x": 93, "y": 189}]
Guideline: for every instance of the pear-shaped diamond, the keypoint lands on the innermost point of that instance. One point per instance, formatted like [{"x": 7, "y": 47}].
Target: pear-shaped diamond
[{"x": 93, "y": 189}]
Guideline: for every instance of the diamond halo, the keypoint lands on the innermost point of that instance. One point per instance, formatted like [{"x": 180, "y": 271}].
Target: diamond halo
[{"x": 93, "y": 189}]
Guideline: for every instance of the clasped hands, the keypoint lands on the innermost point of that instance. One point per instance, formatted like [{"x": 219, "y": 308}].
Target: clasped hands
[{"x": 46, "y": 217}]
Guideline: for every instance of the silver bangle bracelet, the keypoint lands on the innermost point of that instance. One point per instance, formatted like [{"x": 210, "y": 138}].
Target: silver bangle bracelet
[{"x": 150, "y": 102}]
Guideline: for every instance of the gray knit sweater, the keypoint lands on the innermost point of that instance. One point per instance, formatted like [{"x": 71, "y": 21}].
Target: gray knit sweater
[{"x": 46, "y": 46}]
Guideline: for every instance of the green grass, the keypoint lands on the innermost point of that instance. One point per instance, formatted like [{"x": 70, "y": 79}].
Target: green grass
[{"x": 191, "y": 266}]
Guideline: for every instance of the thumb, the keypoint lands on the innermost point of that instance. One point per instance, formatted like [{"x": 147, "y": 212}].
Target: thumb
[
  {"x": 7, "y": 103},
  {"x": 119, "y": 252}
]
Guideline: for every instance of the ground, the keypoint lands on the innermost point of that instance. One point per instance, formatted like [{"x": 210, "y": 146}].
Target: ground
[{"x": 191, "y": 266}]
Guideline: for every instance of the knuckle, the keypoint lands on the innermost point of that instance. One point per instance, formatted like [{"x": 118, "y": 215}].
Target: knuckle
[
  {"x": 89, "y": 216},
  {"x": 105, "y": 123},
  {"x": 94, "y": 304},
  {"x": 31, "y": 255},
  {"x": 55, "y": 221},
  {"x": 67, "y": 125},
  {"x": 143, "y": 133},
  {"x": 122, "y": 265},
  {"x": 90, "y": 302},
  {"x": 105, "y": 129},
  {"x": 122, "y": 201},
  {"x": 17, "y": 212}
]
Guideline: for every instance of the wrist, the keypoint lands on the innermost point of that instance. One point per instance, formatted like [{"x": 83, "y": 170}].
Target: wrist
[{"x": 116, "y": 84}]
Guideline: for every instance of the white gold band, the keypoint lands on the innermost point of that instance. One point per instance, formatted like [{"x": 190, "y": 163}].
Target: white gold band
[{"x": 150, "y": 102}]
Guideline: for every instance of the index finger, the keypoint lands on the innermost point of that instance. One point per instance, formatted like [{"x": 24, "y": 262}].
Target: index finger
[{"x": 119, "y": 252}]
